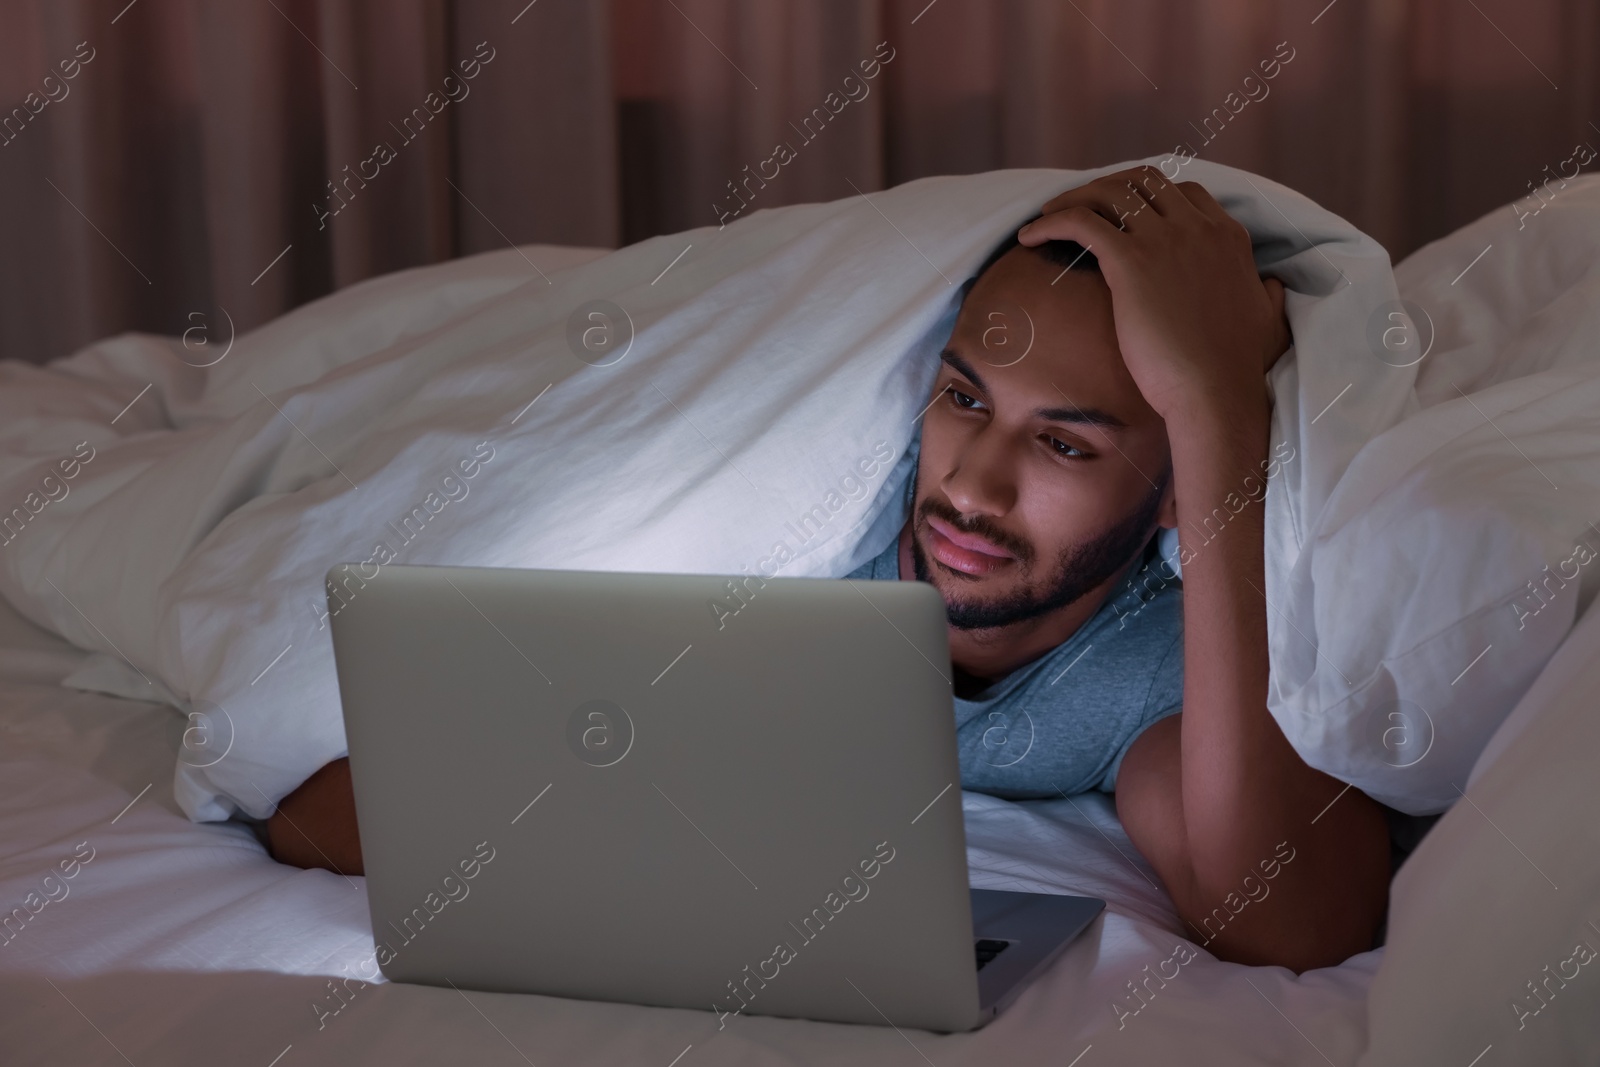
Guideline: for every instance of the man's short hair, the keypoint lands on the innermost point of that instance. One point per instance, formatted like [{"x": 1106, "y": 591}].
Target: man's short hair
[{"x": 1068, "y": 255}]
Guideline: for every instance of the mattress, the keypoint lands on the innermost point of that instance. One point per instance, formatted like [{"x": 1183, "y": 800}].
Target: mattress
[{"x": 180, "y": 943}]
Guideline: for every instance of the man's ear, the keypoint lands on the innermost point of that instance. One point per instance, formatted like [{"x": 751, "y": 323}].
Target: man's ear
[
  {"x": 1282, "y": 336},
  {"x": 1167, "y": 512}
]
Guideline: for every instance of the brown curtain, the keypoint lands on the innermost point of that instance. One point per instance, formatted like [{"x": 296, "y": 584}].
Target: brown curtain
[{"x": 166, "y": 160}]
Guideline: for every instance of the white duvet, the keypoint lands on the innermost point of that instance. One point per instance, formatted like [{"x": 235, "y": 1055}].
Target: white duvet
[{"x": 445, "y": 415}]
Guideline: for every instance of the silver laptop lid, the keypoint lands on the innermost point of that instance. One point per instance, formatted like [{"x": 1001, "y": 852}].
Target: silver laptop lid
[{"x": 683, "y": 790}]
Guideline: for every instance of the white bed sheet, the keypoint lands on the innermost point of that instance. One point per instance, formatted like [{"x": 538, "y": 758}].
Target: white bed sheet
[{"x": 184, "y": 943}]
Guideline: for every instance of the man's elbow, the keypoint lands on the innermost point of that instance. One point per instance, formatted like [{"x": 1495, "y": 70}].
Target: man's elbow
[
  {"x": 1319, "y": 908},
  {"x": 1310, "y": 946}
]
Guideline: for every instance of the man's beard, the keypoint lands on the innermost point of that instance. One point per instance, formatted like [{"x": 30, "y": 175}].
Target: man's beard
[{"x": 1079, "y": 569}]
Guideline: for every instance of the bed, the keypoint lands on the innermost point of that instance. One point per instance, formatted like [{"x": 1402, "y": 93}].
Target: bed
[
  {"x": 185, "y": 943},
  {"x": 136, "y": 934}
]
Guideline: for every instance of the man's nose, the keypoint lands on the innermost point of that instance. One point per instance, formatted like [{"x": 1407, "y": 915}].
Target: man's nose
[{"x": 982, "y": 481}]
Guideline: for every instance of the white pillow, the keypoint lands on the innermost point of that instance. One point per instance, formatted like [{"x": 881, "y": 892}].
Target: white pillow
[{"x": 1493, "y": 953}]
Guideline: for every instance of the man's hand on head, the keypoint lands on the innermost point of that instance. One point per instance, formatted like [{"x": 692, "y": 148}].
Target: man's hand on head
[{"x": 1197, "y": 326}]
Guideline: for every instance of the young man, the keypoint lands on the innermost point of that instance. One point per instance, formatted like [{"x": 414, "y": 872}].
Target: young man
[{"x": 1106, "y": 378}]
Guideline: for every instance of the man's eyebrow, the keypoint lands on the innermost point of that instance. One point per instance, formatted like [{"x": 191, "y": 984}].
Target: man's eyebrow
[
  {"x": 1076, "y": 416},
  {"x": 1081, "y": 416},
  {"x": 963, "y": 367}
]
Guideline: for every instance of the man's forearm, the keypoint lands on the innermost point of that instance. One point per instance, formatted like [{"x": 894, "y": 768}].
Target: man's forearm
[
  {"x": 1245, "y": 791},
  {"x": 315, "y": 826},
  {"x": 1227, "y": 733}
]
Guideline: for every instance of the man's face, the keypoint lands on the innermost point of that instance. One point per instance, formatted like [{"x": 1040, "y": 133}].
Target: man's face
[{"x": 1043, "y": 470}]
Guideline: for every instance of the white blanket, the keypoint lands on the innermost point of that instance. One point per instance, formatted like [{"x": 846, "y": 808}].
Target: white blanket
[{"x": 444, "y": 416}]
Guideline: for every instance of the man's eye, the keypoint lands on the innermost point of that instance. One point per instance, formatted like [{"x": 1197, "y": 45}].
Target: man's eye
[
  {"x": 962, "y": 400},
  {"x": 1064, "y": 449}
]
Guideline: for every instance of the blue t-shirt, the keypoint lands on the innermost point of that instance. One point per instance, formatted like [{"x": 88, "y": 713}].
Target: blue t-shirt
[{"x": 1061, "y": 724}]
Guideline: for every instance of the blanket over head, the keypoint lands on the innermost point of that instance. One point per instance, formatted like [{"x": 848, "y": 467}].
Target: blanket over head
[{"x": 735, "y": 400}]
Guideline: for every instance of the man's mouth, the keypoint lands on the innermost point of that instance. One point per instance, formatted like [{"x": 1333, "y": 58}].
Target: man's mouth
[{"x": 965, "y": 552}]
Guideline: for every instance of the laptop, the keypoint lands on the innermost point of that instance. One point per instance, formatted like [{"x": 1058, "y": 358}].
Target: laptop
[{"x": 732, "y": 794}]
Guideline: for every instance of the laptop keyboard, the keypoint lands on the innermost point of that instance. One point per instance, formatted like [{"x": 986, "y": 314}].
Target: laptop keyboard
[{"x": 987, "y": 948}]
